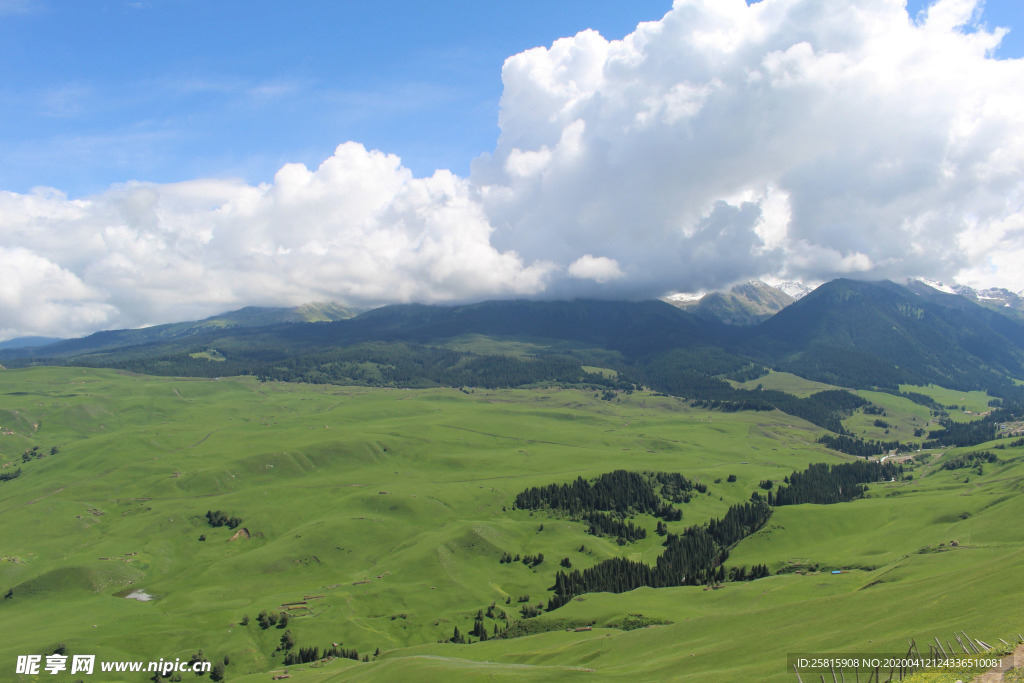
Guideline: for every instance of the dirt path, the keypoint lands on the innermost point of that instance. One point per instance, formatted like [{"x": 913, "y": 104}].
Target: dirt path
[{"x": 1010, "y": 661}]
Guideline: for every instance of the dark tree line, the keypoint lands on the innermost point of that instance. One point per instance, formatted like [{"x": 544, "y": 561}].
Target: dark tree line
[
  {"x": 691, "y": 558},
  {"x": 758, "y": 571},
  {"x": 676, "y": 377},
  {"x": 390, "y": 364},
  {"x": 852, "y": 445},
  {"x": 304, "y": 655},
  {"x": 604, "y": 524},
  {"x": 826, "y": 484},
  {"x": 620, "y": 491},
  {"x": 960, "y": 434},
  {"x": 967, "y": 460}
]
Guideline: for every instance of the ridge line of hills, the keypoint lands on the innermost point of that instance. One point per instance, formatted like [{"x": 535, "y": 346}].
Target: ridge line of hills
[
  {"x": 745, "y": 304},
  {"x": 846, "y": 332}
]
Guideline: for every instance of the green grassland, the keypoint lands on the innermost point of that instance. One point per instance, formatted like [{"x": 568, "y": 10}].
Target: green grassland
[
  {"x": 209, "y": 354},
  {"x": 901, "y": 414},
  {"x": 969, "y": 404},
  {"x": 478, "y": 343},
  {"x": 385, "y": 512},
  {"x": 784, "y": 381}
]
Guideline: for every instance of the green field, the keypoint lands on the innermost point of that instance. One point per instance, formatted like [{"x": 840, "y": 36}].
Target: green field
[
  {"x": 784, "y": 381},
  {"x": 902, "y": 415},
  {"x": 969, "y": 405},
  {"x": 377, "y": 518}
]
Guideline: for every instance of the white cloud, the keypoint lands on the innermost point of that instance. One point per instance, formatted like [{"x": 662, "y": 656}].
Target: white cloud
[
  {"x": 596, "y": 268},
  {"x": 788, "y": 139},
  {"x": 38, "y": 294},
  {"x": 359, "y": 228},
  {"x": 857, "y": 141}
]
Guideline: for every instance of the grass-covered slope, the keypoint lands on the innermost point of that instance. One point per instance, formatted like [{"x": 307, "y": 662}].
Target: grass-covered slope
[{"x": 377, "y": 518}]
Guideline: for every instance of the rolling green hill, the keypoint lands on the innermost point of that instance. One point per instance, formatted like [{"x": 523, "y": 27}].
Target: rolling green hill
[
  {"x": 377, "y": 518},
  {"x": 371, "y": 495}
]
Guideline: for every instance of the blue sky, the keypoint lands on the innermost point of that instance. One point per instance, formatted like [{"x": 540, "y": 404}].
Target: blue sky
[
  {"x": 170, "y": 159},
  {"x": 106, "y": 91}
]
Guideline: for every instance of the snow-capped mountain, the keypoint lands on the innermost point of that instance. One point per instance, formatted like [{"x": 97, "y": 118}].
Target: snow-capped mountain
[
  {"x": 747, "y": 303},
  {"x": 995, "y": 298}
]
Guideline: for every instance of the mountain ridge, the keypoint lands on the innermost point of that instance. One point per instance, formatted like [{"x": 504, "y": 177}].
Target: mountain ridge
[
  {"x": 846, "y": 332},
  {"x": 745, "y": 304}
]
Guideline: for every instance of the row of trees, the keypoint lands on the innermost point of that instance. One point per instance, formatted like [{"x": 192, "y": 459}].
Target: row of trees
[
  {"x": 302, "y": 655},
  {"x": 968, "y": 460},
  {"x": 677, "y": 374},
  {"x": 604, "y": 524},
  {"x": 619, "y": 491},
  {"x": 852, "y": 445},
  {"x": 691, "y": 558},
  {"x": 960, "y": 434},
  {"x": 391, "y": 364},
  {"x": 826, "y": 484}
]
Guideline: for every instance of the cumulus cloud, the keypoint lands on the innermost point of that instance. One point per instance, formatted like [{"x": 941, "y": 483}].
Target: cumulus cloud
[
  {"x": 359, "y": 228},
  {"x": 787, "y": 139},
  {"x": 38, "y": 294},
  {"x": 596, "y": 268}
]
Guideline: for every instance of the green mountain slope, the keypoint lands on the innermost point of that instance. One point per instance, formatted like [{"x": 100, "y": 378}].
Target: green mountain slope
[
  {"x": 242, "y": 319},
  {"x": 847, "y": 333},
  {"x": 861, "y": 334}
]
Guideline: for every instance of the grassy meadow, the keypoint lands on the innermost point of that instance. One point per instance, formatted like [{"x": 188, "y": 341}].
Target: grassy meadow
[
  {"x": 376, "y": 518},
  {"x": 784, "y": 381}
]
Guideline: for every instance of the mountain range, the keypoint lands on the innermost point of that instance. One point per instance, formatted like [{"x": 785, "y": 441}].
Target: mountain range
[
  {"x": 747, "y": 303},
  {"x": 248, "y": 317},
  {"x": 845, "y": 332},
  {"x": 994, "y": 298}
]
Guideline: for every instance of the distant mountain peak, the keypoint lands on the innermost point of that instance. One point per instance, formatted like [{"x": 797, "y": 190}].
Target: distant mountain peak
[
  {"x": 994, "y": 298},
  {"x": 793, "y": 288},
  {"x": 685, "y": 297},
  {"x": 940, "y": 286},
  {"x": 746, "y": 303}
]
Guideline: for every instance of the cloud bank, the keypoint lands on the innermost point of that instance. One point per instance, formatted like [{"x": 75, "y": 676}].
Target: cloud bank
[{"x": 789, "y": 138}]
